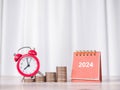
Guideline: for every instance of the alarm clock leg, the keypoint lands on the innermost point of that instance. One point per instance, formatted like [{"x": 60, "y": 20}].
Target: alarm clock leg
[
  {"x": 22, "y": 79},
  {"x": 40, "y": 73}
]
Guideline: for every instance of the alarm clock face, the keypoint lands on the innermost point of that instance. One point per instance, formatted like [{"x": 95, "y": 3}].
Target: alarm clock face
[{"x": 28, "y": 65}]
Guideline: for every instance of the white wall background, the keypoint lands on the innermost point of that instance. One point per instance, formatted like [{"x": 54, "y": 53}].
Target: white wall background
[{"x": 56, "y": 28}]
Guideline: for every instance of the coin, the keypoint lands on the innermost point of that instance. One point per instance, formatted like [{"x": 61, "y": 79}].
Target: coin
[
  {"x": 40, "y": 79},
  {"x": 50, "y": 76},
  {"x": 29, "y": 79},
  {"x": 61, "y": 73}
]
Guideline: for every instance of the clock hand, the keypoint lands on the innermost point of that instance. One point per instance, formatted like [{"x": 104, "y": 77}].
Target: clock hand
[
  {"x": 27, "y": 61},
  {"x": 26, "y": 67}
]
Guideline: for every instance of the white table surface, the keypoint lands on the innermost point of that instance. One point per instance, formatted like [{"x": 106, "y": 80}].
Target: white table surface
[{"x": 14, "y": 83}]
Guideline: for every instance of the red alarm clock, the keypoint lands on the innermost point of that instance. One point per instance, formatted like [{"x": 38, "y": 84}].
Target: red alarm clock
[{"x": 27, "y": 64}]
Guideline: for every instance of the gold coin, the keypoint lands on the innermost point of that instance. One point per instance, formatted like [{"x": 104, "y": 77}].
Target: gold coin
[
  {"x": 50, "y": 76},
  {"x": 40, "y": 79}
]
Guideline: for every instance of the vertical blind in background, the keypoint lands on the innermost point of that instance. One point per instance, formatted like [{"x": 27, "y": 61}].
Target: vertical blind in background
[{"x": 57, "y": 28}]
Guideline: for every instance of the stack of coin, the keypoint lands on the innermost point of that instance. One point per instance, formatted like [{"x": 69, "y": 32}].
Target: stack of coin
[
  {"x": 29, "y": 79},
  {"x": 40, "y": 79},
  {"x": 50, "y": 76},
  {"x": 61, "y": 74}
]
